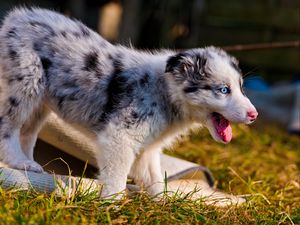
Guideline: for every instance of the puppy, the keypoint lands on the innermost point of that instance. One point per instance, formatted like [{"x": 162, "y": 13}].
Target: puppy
[{"x": 135, "y": 102}]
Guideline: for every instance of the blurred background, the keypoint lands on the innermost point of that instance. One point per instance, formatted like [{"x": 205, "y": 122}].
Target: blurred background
[
  {"x": 194, "y": 23},
  {"x": 263, "y": 34}
]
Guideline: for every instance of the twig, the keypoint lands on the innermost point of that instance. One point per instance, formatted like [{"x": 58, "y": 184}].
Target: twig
[{"x": 258, "y": 46}]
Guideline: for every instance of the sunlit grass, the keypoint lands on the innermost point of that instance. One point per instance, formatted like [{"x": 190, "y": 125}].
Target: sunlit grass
[{"x": 262, "y": 163}]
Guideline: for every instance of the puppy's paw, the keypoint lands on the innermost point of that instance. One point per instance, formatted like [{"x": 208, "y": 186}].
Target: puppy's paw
[
  {"x": 156, "y": 190},
  {"x": 112, "y": 195},
  {"x": 27, "y": 165}
]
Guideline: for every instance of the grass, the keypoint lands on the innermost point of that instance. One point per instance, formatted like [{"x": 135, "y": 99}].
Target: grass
[{"x": 262, "y": 163}]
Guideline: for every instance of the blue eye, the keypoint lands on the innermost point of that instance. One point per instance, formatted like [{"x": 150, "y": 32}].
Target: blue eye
[{"x": 224, "y": 90}]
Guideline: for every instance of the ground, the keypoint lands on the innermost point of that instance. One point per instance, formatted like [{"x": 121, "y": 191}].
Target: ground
[{"x": 262, "y": 163}]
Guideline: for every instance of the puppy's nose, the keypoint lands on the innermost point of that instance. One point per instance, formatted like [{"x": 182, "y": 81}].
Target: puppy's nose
[{"x": 252, "y": 115}]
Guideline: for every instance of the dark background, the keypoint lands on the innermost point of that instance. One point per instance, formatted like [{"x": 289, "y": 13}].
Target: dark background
[{"x": 194, "y": 23}]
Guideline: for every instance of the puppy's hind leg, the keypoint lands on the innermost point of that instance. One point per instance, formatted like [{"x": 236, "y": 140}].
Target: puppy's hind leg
[
  {"x": 22, "y": 89},
  {"x": 14, "y": 114},
  {"x": 11, "y": 153},
  {"x": 30, "y": 130}
]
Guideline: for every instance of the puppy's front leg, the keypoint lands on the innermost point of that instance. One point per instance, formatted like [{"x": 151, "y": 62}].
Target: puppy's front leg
[{"x": 115, "y": 158}]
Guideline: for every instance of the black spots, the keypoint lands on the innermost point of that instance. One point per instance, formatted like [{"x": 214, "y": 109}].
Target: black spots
[
  {"x": 1, "y": 121},
  {"x": 109, "y": 56},
  {"x": 144, "y": 80},
  {"x": 118, "y": 95},
  {"x": 6, "y": 135},
  {"x": 17, "y": 78},
  {"x": 143, "y": 116},
  {"x": 12, "y": 33},
  {"x": 43, "y": 26},
  {"x": 134, "y": 115},
  {"x": 140, "y": 114},
  {"x": 91, "y": 61},
  {"x": 153, "y": 104},
  {"x": 46, "y": 63},
  {"x": 64, "y": 34},
  {"x": 151, "y": 113},
  {"x": 12, "y": 54},
  {"x": 67, "y": 70},
  {"x": 169, "y": 110},
  {"x": 137, "y": 118},
  {"x": 190, "y": 89},
  {"x": 37, "y": 46},
  {"x": 206, "y": 87},
  {"x": 194, "y": 87},
  {"x": 116, "y": 87},
  {"x": 131, "y": 120},
  {"x": 117, "y": 65},
  {"x": 60, "y": 101},
  {"x": 128, "y": 123},
  {"x": 130, "y": 87},
  {"x": 13, "y": 101},
  {"x": 76, "y": 34},
  {"x": 37, "y": 24}
]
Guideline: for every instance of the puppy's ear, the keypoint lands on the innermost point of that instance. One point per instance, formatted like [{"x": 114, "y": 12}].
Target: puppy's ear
[
  {"x": 186, "y": 64},
  {"x": 175, "y": 63}
]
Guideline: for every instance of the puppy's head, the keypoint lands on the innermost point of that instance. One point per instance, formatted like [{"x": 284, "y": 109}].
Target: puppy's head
[{"x": 208, "y": 82}]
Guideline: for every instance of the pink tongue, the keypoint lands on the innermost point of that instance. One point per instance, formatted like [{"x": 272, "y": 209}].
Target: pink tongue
[{"x": 223, "y": 129}]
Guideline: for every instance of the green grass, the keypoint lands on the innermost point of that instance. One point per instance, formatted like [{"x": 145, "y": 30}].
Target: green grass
[{"x": 262, "y": 163}]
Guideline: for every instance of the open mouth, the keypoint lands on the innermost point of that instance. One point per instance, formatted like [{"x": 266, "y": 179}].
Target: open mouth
[{"x": 222, "y": 127}]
